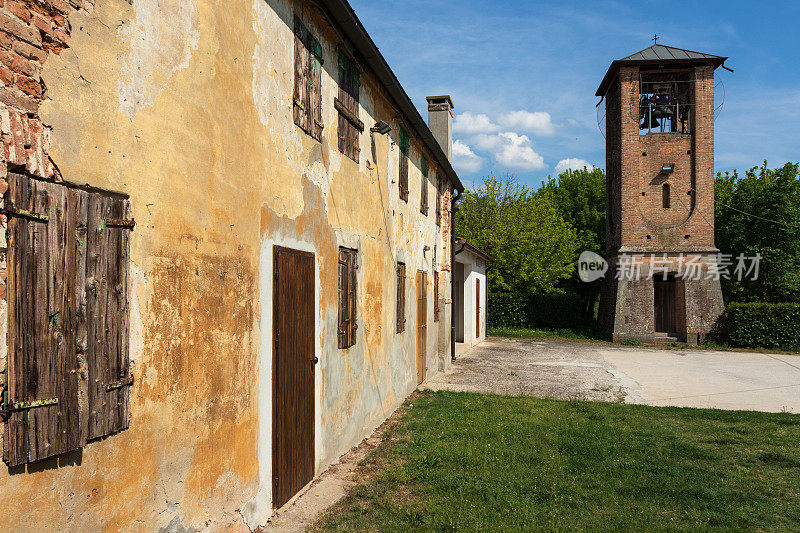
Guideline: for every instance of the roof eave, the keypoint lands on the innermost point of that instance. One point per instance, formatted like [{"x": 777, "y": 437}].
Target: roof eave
[
  {"x": 349, "y": 22},
  {"x": 612, "y": 70}
]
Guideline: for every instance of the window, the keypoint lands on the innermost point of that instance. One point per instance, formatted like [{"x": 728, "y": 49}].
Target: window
[
  {"x": 307, "y": 108},
  {"x": 348, "y": 306},
  {"x": 436, "y": 297},
  {"x": 401, "y": 297},
  {"x": 666, "y": 201},
  {"x": 404, "y": 149},
  {"x": 423, "y": 201},
  {"x": 438, "y": 200},
  {"x": 350, "y": 127},
  {"x": 665, "y": 102},
  {"x": 68, "y": 253}
]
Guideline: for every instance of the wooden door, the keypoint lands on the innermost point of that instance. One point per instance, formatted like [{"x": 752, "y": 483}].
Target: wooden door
[
  {"x": 664, "y": 303},
  {"x": 477, "y": 308},
  {"x": 292, "y": 373},
  {"x": 422, "y": 326}
]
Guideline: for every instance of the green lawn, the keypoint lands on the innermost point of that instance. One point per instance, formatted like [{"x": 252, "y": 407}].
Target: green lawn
[
  {"x": 469, "y": 462},
  {"x": 525, "y": 333}
]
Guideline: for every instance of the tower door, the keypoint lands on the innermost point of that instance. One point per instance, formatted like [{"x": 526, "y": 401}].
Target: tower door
[
  {"x": 422, "y": 326},
  {"x": 292, "y": 374},
  {"x": 664, "y": 299}
]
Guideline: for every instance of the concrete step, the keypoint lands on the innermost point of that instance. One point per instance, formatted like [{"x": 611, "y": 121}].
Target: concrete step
[{"x": 665, "y": 338}]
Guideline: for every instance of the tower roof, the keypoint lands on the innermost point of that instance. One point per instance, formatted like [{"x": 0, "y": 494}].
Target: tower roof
[{"x": 656, "y": 55}]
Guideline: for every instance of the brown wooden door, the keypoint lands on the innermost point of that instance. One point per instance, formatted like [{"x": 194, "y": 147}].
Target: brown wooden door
[
  {"x": 477, "y": 308},
  {"x": 422, "y": 326},
  {"x": 292, "y": 374},
  {"x": 664, "y": 300}
]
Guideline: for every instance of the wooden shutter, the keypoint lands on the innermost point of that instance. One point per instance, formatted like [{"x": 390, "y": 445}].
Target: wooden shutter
[
  {"x": 403, "y": 180},
  {"x": 106, "y": 315},
  {"x": 436, "y": 297},
  {"x": 54, "y": 328},
  {"x": 423, "y": 202},
  {"x": 307, "y": 102},
  {"x": 348, "y": 305},
  {"x": 401, "y": 297},
  {"x": 347, "y": 104}
]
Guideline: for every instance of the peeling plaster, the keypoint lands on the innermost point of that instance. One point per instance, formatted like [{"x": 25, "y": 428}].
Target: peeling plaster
[{"x": 162, "y": 37}]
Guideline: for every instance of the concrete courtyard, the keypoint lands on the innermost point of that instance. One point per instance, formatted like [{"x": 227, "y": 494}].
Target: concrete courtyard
[{"x": 604, "y": 372}]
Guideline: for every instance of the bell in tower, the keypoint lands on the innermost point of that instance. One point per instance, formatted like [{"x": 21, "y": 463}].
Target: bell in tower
[{"x": 663, "y": 284}]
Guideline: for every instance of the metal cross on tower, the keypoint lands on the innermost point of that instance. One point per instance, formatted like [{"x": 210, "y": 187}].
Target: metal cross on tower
[{"x": 656, "y": 37}]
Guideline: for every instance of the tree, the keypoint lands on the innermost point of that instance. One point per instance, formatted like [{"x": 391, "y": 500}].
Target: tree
[
  {"x": 759, "y": 213},
  {"x": 533, "y": 246},
  {"x": 580, "y": 196}
]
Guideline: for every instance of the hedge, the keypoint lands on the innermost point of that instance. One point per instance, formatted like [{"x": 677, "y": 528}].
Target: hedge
[
  {"x": 535, "y": 311},
  {"x": 764, "y": 325}
]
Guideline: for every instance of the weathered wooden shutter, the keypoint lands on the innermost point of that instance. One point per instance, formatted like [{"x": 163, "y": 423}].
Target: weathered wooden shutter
[
  {"x": 403, "y": 179},
  {"x": 401, "y": 297},
  {"x": 307, "y": 102},
  {"x": 423, "y": 202},
  {"x": 352, "y": 303},
  {"x": 50, "y": 316},
  {"x": 436, "y": 297},
  {"x": 106, "y": 315},
  {"x": 347, "y": 104},
  {"x": 348, "y": 324},
  {"x": 342, "y": 332},
  {"x": 42, "y": 374}
]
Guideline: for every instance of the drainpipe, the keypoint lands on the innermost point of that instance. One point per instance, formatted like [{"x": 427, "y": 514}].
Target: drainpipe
[{"x": 453, "y": 254}]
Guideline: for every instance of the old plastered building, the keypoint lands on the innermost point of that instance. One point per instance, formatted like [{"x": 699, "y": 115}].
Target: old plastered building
[
  {"x": 470, "y": 293},
  {"x": 228, "y": 256},
  {"x": 660, "y": 197}
]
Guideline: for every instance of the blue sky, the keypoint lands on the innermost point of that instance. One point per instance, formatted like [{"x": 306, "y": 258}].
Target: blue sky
[{"x": 523, "y": 73}]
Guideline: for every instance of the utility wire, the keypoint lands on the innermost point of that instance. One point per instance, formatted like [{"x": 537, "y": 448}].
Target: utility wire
[{"x": 760, "y": 218}]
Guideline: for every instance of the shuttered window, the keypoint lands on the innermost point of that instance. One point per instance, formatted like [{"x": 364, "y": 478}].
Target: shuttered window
[
  {"x": 438, "y": 200},
  {"x": 348, "y": 265},
  {"x": 436, "y": 297},
  {"x": 350, "y": 126},
  {"x": 404, "y": 149},
  {"x": 423, "y": 200},
  {"x": 307, "y": 104},
  {"x": 401, "y": 297},
  {"x": 68, "y": 254}
]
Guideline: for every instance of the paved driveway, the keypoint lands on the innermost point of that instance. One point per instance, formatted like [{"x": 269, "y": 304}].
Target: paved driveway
[{"x": 603, "y": 372}]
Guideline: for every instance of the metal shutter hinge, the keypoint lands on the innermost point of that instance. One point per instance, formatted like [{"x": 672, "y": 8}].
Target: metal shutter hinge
[{"x": 119, "y": 384}]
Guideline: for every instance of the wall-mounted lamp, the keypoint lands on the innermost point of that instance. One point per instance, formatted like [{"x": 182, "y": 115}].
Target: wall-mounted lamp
[
  {"x": 425, "y": 249},
  {"x": 668, "y": 168},
  {"x": 381, "y": 127}
]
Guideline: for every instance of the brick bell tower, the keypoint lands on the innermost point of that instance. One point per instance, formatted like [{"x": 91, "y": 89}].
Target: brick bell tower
[{"x": 661, "y": 285}]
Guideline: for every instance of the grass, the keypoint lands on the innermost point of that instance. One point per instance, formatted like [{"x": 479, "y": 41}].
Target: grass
[
  {"x": 469, "y": 462},
  {"x": 587, "y": 333}
]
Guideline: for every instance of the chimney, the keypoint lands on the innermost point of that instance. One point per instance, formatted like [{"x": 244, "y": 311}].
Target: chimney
[{"x": 440, "y": 121}]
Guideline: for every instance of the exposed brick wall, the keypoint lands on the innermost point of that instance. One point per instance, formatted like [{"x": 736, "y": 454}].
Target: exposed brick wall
[{"x": 30, "y": 30}]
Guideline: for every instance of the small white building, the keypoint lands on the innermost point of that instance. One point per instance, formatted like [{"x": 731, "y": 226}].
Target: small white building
[{"x": 470, "y": 293}]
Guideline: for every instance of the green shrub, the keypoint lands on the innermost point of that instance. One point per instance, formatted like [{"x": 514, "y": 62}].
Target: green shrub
[
  {"x": 764, "y": 325},
  {"x": 535, "y": 311}
]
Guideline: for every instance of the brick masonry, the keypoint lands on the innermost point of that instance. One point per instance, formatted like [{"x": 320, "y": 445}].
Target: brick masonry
[
  {"x": 30, "y": 30},
  {"x": 637, "y": 222}
]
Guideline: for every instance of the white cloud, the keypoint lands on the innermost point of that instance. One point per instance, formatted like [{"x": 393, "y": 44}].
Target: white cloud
[
  {"x": 572, "y": 163},
  {"x": 470, "y": 124},
  {"x": 464, "y": 159},
  {"x": 538, "y": 122},
  {"x": 516, "y": 152}
]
